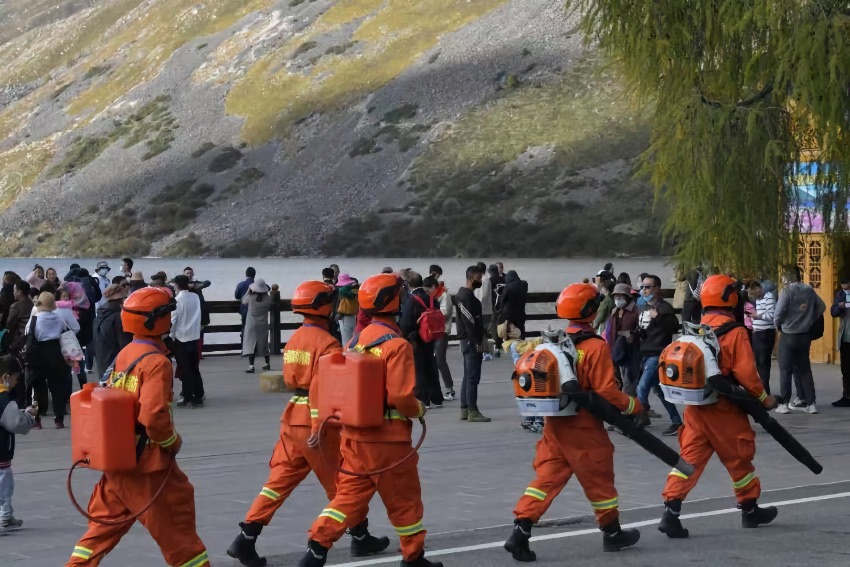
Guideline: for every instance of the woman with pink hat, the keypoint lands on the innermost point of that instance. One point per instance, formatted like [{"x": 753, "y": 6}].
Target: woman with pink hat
[
  {"x": 347, "y": 307},
  {"x": 255, "y": 339}
]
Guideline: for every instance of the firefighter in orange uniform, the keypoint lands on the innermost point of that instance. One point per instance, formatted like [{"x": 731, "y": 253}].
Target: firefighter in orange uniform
[
  {"x": 578, "y": 444},
  {"x": 365, "y": 449},
  {"x": 721, "y": 427},
  {"x": 292, "y": 460},
  {"x": 171, "y": 518}
]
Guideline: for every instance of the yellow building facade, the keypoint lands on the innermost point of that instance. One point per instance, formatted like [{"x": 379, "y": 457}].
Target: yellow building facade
[{"x": 819, "y": 265}]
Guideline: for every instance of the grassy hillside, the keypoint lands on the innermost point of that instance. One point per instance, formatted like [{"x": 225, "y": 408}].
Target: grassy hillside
[
  {"x": 540, "y": 170},
  {"x": 360, "y": 127}
]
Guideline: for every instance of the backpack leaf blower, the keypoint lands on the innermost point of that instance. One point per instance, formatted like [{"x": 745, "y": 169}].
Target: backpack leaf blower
[
  {"x": 736, "y": 394},
  {"x": 601, "y": 408},
  {"x": 105, "y": 437},
  {"x": 350, "y": 385}
]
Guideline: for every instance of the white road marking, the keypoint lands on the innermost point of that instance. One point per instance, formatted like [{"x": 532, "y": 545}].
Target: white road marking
[{"x": 561, "y": 535}]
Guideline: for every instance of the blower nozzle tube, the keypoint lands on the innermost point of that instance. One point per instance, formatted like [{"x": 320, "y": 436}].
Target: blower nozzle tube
[
  {"x": 736, "y": 394},
  {"x": 609, "y": 413}
]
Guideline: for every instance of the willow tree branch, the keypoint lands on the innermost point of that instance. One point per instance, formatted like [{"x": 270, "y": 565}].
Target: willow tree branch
[{"x": 743, "y": 103}]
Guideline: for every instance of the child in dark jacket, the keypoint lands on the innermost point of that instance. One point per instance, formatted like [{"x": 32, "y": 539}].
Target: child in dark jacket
[{"x": 12, "y": 421}]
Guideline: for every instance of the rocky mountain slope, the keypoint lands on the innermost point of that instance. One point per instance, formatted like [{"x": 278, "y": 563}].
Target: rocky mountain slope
[{"x": 295, "y": 127}]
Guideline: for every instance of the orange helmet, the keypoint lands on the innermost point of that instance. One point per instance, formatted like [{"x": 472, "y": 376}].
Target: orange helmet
[
  {"x": 579, "y": 302},
  {"x": 147, "y": 312},
  {"x": 719, "y": 291},
  {"x": 314, "y": 298},
  {"x": 380, "y": 294}
]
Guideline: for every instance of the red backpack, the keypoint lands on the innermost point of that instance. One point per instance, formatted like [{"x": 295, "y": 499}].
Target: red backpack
[{"x": 432, "y": 323}]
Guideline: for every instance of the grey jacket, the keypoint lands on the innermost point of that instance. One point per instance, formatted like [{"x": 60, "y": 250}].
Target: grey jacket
[
  {"x": 797, "y": 309},
  {"x": 15, "y": 420}
]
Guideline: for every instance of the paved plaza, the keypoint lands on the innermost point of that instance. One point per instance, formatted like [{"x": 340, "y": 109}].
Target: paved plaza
[{"x": 472, "y": 475}]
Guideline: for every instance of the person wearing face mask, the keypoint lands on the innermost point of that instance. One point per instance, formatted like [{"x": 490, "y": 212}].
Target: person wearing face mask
[
  {"x": 420, "y": 299},
  {"x": 103, "y": 282},
  {"x": 470, "y": 332},
  {"x": 658, "y": 323},
  {"x": 624, "y": 339},
  {"x": 13, "y": 421}
]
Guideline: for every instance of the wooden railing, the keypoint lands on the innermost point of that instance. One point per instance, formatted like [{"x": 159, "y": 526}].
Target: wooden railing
[{"x": 283, "y": 306}]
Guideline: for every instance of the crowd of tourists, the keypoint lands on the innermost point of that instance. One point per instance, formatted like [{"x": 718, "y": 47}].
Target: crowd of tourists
[
  {"x": 637, "y": 317},
  {"x": 69, "y": 328}
]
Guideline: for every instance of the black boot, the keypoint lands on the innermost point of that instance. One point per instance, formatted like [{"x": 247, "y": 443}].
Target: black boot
[
  {"x": 614, "y": 538},
  {"x": 315, "y": 556},
  {"x": 752, "y": 516},
  {"x": 670, "y": 523},
  {"x": 243, "y": 548},
  {"x": 421, "y": 562},
  {"x": 517, "y": 544},
  {"x": 363, "y": 543}
]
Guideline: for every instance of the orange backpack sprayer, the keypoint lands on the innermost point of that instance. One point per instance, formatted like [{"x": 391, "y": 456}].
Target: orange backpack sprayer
[
  {"x": 104, "y": 437},
  {"x": 349, "y": 385}
]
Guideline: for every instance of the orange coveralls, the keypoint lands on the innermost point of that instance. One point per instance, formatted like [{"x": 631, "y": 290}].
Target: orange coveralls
[
  {"x": 722, "y": 427},
  {"x": 579, "y": 444},
  {"x": 365, "y": 449},
  {"x": 171, "y": 518},
  {"x": 292, "y": 460}
]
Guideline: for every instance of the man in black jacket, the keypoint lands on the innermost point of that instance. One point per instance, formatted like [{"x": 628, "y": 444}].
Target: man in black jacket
[
  {"x": 512, "y": 301},
  {"x": 470, "y": 331},
  {"x": 427, "y": 378},
  {"x": 109, "y": 335},
  {"x": 657, "y": 323}
]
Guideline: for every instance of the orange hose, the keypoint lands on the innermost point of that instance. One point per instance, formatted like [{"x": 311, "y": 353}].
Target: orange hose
[
  {"x": 375, "y": 472},
  {"x": 128, "y": 519}
]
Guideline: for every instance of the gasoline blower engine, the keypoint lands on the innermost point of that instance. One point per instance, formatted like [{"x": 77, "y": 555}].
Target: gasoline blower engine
[
  {"x": 546, "y": 384},
  {"x": 689, "y": 373},
  {"x": 350, "y": 383}
]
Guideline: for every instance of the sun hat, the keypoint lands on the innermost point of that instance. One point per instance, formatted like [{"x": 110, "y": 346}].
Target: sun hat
[
  {"x": 115, "y": 292},
  {"x": 102, "y": 265},
  {"x": 137, "y": 277},
  {"x": 259, "y": 286},
  {"x": 622, "y": 289},
  {"x": 344, "y": 280}
]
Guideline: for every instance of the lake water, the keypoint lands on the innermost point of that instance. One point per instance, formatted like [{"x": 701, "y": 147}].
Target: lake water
[{"x": 541, "y": 274}]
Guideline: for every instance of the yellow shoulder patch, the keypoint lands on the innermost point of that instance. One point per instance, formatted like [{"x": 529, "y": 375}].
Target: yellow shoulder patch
[
  {"x": 296, "y": 357},
  {"x": 123, "y": 381}
]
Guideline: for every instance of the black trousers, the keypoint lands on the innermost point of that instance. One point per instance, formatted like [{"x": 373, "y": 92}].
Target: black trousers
[
  {"x": 190, "y": 373},
  {"x": 763, "y": 342},
  {"x": 50, "y": 374},
  {"x": 427, "y": 378},
  {"x": 845, "y": 368}
]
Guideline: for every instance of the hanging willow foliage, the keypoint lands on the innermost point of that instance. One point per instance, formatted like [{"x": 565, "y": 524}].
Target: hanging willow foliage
[{"x": 741, "y": 91}]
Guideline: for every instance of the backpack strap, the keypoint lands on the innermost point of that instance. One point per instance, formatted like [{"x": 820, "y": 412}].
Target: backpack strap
[
  {"x": 583, "y": 336},
  {"x": 726, "y": 328},
  {"x": 377, "y": 342},
  {"x": 140, "y": 429},
  {"x": 380, "y": 340},
  {"x": 422, "y": 303}
]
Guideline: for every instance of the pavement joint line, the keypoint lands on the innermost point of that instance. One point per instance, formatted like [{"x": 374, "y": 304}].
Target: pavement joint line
[{"x": 575, "y": 533}]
